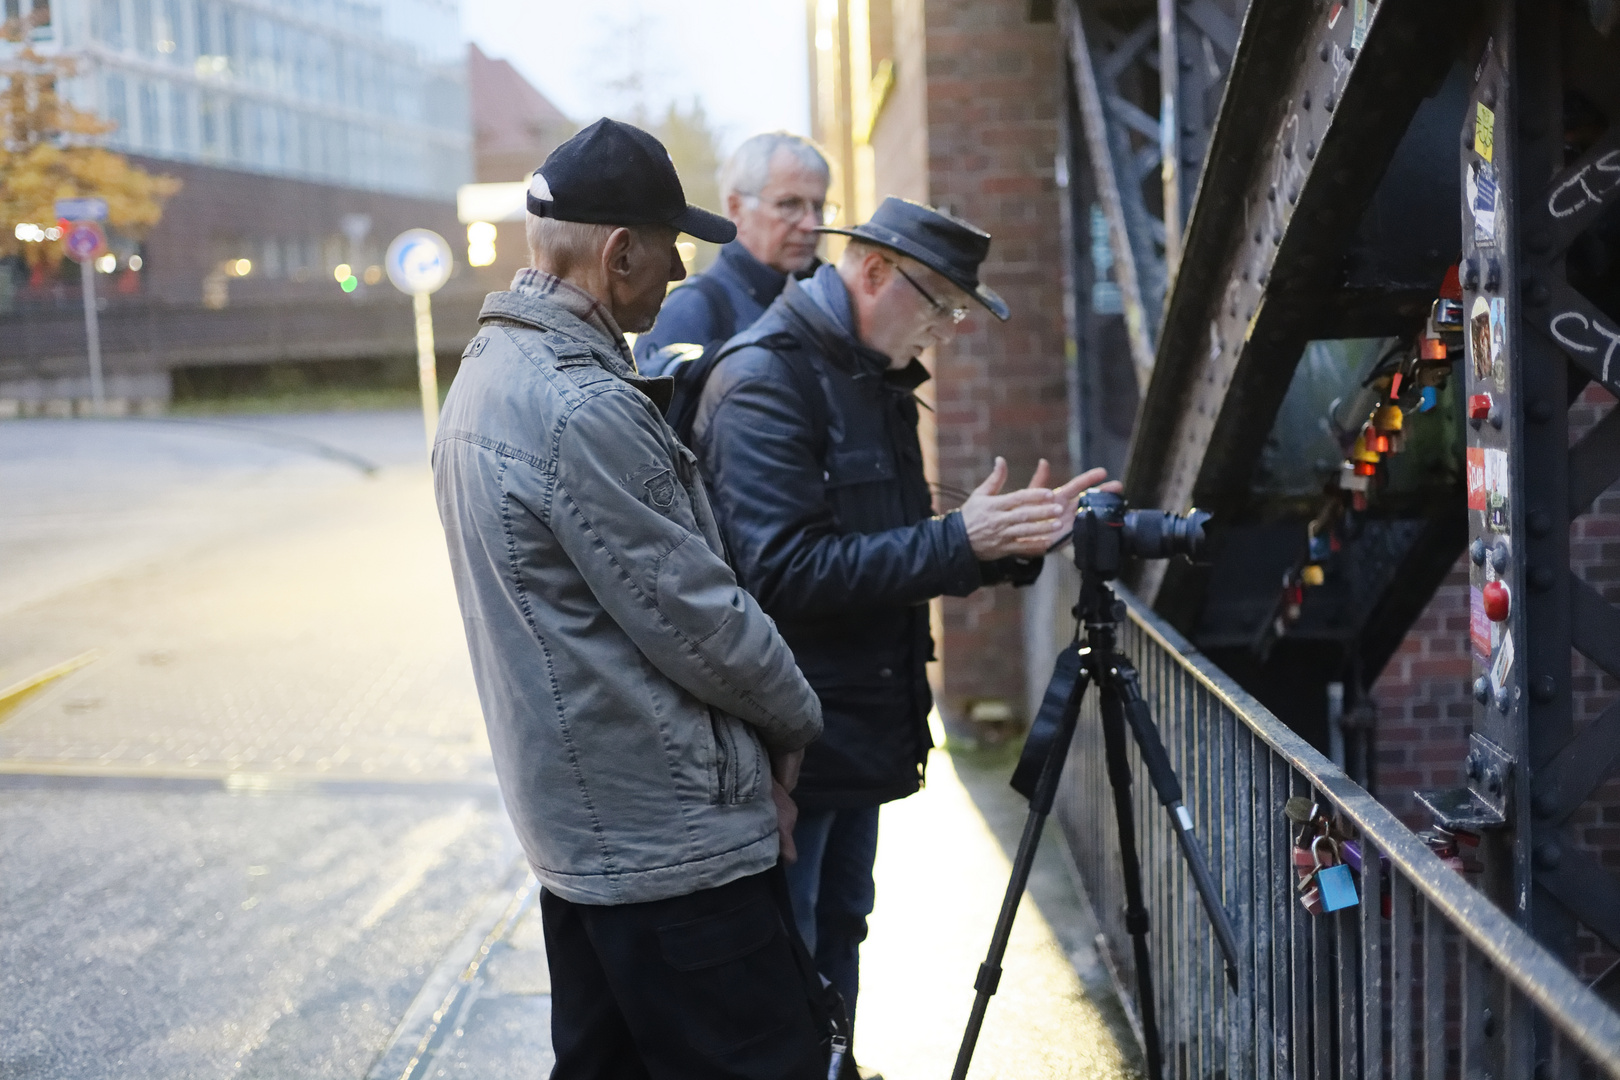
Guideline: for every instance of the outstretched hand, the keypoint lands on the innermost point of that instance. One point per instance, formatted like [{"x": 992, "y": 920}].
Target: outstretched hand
[{"x": 1029, "y": 520}]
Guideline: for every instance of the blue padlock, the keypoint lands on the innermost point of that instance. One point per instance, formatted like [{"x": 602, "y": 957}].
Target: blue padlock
[
  {"x": 1337, "y": 886},
  {"x": 1431, "y": 398}
]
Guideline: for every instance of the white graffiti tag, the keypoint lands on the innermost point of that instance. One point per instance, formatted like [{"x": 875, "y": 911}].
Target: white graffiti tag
[
  {"x": 1592, "y": 183},
  {"x": 1588, "y": 328}
]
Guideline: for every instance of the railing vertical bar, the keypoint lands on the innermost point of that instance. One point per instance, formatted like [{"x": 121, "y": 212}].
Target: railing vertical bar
[
  {"x": 1346, "y": 943},
  {"x": 1251, "y": 867},
  {"x": 1472, "y": 1002},
  {"x": 1434, "y": 998},
  {"x": 1280, "y": 882},
  {"x": 1300, "y": 938},
  {"x": 1372, "y": 963},
  {"x": 1248, "y": 1002},
  {"x": 1321, "y": 993},
  {"x": 1400, "y": 978},
  {"x": 1203, "y": 753}
]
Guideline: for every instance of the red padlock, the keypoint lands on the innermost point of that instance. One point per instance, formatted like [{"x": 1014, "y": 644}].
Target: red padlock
[
  {"x": 1479, "y": 406},
  {"x": 1498, "y": 601}
]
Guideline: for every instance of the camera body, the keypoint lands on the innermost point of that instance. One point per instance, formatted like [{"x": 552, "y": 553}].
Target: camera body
[{"x": 1106, "y": 534}]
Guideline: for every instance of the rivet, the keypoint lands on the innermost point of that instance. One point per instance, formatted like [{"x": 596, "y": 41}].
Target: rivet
[
  {"x": 1543, "y": 688},
  {"x": 1476, "y": 551},
  {"x": 1540, "y": 523},
  {"x": 1482, "y": 689},
  {"x": 1540, "y": 410},
  {"x": 1548, "y": 855}
]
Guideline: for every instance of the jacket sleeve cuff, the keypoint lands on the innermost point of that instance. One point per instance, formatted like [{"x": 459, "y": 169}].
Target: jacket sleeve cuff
[{"x": 963, "y": 571}]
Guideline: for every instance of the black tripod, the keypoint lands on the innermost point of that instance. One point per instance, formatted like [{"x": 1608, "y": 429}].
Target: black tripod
[{"x": 1101, "y": 535}]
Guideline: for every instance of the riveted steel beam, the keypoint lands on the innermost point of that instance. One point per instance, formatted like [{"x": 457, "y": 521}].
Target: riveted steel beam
[{"x": 1316, "y": 104}]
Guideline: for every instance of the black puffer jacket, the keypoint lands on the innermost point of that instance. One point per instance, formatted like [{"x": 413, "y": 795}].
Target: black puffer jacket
[{"x": 830, "y": 525}]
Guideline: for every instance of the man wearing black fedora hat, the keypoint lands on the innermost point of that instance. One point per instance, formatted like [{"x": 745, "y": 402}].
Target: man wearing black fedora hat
[
  {"x": 807, "y": 432},
  {"x": 644, "y": 715}
]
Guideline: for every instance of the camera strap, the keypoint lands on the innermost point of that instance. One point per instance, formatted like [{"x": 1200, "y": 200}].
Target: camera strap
[{"x": 1066, "y": 675}]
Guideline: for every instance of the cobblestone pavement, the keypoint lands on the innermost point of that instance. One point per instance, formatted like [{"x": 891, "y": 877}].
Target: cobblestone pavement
[{"x": 258, "y": 834}]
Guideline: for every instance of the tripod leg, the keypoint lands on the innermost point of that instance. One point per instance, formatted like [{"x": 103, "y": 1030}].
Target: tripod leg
[
  {"x": 1060, "y": 710},
  {"x": 1124, "y": 684},
  {"x": 1136, "y": 914}
]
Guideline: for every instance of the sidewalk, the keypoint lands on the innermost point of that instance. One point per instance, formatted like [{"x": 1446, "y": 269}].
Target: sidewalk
[{"x": 942, "y": 868}]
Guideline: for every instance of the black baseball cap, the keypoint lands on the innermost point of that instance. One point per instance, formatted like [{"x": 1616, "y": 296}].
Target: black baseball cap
[
  {"x": 616, "y": 174},
  {"x": 944, "y": 243}
]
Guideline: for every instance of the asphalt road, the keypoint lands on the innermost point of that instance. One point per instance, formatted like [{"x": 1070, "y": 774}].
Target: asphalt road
[{"x": 239, "y": 840}]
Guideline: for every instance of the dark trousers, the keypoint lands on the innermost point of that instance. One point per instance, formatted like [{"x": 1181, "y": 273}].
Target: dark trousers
[
  {"x": 703, "y": 985},
  {"x": 832, "y": 890}
]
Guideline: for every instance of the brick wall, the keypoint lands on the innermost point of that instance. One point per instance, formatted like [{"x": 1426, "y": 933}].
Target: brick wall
[
  {"x": 1424, "y": 708},
  {"x": 993, "y": 82}
]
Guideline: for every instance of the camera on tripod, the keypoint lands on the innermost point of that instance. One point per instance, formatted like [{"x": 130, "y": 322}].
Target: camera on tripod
[{"x": 1106, "y": 534}]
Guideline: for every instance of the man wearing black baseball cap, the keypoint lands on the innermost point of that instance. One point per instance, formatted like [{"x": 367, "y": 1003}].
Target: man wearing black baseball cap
[
  {"x": 807, "y": 430},
  {"x": 645, "y": 718}
]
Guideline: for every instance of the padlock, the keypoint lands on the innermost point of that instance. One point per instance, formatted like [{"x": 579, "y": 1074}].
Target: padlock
[{"x": 1330, "y": 886}]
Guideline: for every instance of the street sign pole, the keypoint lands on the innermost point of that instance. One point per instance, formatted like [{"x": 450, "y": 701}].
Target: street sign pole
[
  {"x": 92, "y": 335},
  {"x": 426, "y": 368},
  {"x": 419, "y": 262},
  {"x": 85, "y": 242}
]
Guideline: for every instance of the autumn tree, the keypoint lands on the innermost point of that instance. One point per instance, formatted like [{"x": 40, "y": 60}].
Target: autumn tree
[{"x": 49, "y": 151}]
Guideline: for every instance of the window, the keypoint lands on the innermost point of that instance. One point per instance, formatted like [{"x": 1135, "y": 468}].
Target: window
[{"x": 118, "y": 109}]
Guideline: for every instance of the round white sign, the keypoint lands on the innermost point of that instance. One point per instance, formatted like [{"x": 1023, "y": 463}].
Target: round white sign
[{"x": 419, "y": 261}]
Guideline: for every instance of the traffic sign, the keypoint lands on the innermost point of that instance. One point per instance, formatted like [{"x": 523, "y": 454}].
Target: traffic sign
[
  {"x": 81, "y": 209},
  {"x": 84, "y": 241},
  {"x": 419, "y": 262}
]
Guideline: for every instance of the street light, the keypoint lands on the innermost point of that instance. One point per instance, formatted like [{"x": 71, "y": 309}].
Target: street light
[{"x": 480, "y": 243}]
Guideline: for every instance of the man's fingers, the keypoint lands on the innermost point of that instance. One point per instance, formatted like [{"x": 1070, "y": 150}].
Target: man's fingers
[
  {"x": 992, "y": 483},
  {"x": 1113, "y": 485},
  {"x": 787, "y": 815},
  {"x": 1088, "y": 479},
  {"x": 1023, "y": 497},
  {"x": 1042, "y": 476}
]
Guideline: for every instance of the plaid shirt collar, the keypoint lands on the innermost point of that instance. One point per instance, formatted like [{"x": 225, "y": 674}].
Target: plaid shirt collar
[{"x": 576, "y": 302}]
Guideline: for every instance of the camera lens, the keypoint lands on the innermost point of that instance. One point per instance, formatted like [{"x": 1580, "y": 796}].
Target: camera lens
[{"x": 1158, "y": 534}]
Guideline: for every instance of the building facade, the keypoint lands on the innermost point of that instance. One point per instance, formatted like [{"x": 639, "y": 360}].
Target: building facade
[
  {"x": 306, "y": 137},
  {"x": 955, "y": 103}
]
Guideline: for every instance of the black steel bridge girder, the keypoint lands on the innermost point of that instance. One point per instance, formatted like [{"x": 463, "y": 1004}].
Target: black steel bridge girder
[{"x": 1264, "y": 247}]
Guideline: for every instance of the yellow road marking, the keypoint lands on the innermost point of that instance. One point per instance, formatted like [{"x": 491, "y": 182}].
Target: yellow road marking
[{"x": 13, "y": 695}]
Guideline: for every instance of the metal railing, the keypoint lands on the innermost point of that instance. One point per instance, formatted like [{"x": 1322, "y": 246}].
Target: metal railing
[{"x": 1436, "y": 982}]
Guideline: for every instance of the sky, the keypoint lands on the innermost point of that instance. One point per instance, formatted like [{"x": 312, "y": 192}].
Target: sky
[{"x": 745, "y": 60}]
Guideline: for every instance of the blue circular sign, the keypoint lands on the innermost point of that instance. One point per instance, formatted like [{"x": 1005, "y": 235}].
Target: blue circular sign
[{"x": 419, "y": 261}]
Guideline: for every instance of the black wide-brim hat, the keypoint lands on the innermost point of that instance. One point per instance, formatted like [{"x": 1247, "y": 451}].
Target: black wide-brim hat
[
  {"x": 947, "y": 245},
  {"x": 613, "y": 173}
]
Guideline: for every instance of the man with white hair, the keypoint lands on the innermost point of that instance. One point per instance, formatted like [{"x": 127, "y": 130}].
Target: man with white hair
[
  {"x": 646, "y": 720},
  {"x": 774, "y": 189}
]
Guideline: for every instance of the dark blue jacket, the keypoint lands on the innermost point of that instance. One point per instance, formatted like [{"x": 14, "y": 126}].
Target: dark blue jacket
[
  {"x": 830, "y": 524},
  {"x": 690, "y": 315}
]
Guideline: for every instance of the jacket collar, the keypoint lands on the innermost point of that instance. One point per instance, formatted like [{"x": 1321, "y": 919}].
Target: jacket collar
[
  {"x": 842, "y": 348},
  {"x": 759, "y": 281},
  {"x": 529, "y": 308}
]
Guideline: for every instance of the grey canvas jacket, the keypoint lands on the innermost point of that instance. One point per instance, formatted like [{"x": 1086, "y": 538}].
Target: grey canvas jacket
[{"x": 630, "y": 687}]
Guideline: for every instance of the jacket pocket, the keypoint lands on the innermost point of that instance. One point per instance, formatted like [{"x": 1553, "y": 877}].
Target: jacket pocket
[
  {"x": 848, "y": 465},
  {"x": 738, "y": 760}
]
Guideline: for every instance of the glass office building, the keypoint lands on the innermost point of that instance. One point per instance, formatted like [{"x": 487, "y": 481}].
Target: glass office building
[{"x": 366, "y": 94}]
